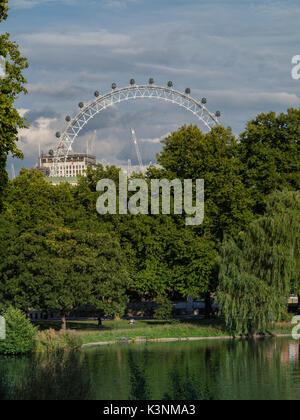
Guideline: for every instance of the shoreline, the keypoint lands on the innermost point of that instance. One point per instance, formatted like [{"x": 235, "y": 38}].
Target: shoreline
[{"x": 173, "y": 340}]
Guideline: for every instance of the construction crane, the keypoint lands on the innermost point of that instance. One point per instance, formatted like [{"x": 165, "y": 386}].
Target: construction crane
[
  {"x": 137, "y": 149},
  {"x": 93, "y": 141},
  {"x": 13, "y": 172}
]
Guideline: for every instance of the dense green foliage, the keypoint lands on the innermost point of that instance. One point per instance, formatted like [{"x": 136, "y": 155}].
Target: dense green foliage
[
  {"x": 270, "y": 151},
  {"x": 50, "y": 341},
  {"x": 53, "y": 256},
  {"x": 69, "y": 268},
  {"x": 258, "y": 272},
  {"x": 164, "y": 310},
  {"x": 20, "y": 333},
  {"x": 10, "y": 87},
  {"x": 57, "y": 252},
  {"x": 191, "y": 154},
  {"x": 3, "y": 10},
  {"x": 163, "y": 256}
]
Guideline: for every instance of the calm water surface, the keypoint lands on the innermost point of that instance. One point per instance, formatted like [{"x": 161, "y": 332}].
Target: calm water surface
[{"x": 266, "y": 369}]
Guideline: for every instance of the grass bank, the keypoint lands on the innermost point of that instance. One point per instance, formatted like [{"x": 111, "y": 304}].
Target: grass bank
[{"x": 150, "y": 329}]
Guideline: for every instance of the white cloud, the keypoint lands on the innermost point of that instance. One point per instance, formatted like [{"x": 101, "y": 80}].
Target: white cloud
[
  {"x": 101, "y": 38},
  {"x": 156, "y": 140},
  {"x": 28, "y": 4},
  {"x": 22, "y": 112},
  {"x": 118, "y": 4},
  {"x": 40, "y": 134},
  {"x": 237, "y": 54}
]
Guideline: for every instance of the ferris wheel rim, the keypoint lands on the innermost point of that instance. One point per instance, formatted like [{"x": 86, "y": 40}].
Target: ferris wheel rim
[{"x": 90, "y": 110}]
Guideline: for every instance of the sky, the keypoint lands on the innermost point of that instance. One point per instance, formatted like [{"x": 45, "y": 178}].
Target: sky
[{"x": 237, "y": 53}]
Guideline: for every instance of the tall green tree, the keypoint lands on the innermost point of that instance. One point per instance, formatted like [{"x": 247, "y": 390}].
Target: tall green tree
[
  {"x": 270, "y": 151},
  {"x": 54, "y": 267},
  {"x": 164, "y": 257},
  {"x": 191, "y": 154},
  {"x": 11, "y": 87},
  {"x": 260, "y": 270}
]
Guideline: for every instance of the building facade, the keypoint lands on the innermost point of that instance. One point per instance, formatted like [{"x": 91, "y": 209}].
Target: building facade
[{"x": 72, "y": 166}]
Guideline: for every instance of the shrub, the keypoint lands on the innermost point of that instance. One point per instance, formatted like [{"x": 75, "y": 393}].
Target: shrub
[
  {"x": 52, "y": 341},
  {"x": 20, "y": 333},
  {"x": 286, "y": 317},
  {"x": 164, "y": 310}
]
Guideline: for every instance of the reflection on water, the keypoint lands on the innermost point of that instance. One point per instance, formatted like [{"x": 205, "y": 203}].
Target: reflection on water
[{"x": 266, "y": 369}]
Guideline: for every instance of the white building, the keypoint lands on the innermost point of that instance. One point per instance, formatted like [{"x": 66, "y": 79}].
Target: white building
[{"x": 72, "y": 166}]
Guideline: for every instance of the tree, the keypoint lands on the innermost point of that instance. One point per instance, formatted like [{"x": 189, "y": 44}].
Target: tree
[
  {"x": 163, "y": 256},
  {"x": 10, "y": 87},
  {"x": 53, "y": 267},
  {"x": 31, "y": 200},
  {"x": 20, "y": 333},
  {"x": 259, "y": 271},
  {"x": 191, "y": 154},
  {"x": 270, "y": 151},
  {"x": 3, "y": 10},
  {"x": 167, "y": 258}
]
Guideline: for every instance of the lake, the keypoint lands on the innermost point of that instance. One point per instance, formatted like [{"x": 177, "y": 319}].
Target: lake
[{"x": 267, "y": 369}]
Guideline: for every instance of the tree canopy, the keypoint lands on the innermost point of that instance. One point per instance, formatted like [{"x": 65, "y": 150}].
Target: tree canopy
[
  {"x": 52, "y": 238},
  {"x": 260, "y": 270},
  {"x": 52, "y": 267},
  {"x": 191, "y": 154},
  {"x": 270, "y": 151},
  {"x": 11, "y": 87},
  {"x": 3, "y": 10}
]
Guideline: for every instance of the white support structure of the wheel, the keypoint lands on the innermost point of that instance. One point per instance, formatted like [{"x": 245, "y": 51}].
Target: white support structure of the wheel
[{"x": 101, "y": 103}]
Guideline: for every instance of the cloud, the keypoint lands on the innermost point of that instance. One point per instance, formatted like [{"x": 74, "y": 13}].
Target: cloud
[
  {"x": 40, "y": 134},
  {"x": 107, "y": 135},
  {"x": 237, "y": 54},
  {"x": 118, "y": 4},
  {"x": 244, "y": 98},
  {"x": 34, "y": 116},
  {"x": 148, "y": 152},
  {"x": 28, "y": 4},
  {"x": 101, "y": 38},
  {"x": 167, "y": 69},
  {"x": 86, "y": 76},
  {"x": 58, "y": 90},
  {"x": 156, "y": 140}
]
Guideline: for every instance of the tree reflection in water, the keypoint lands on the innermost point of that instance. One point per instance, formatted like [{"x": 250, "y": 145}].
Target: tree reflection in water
[
  {"x": 220, "y": 370},
  {"x": 46, "y": 377}
]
